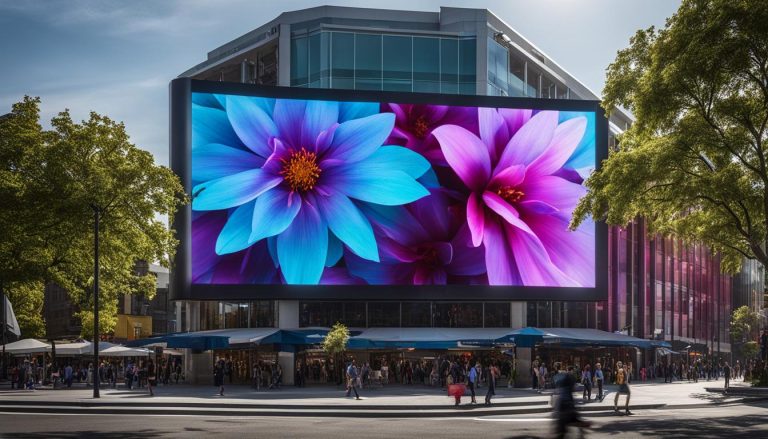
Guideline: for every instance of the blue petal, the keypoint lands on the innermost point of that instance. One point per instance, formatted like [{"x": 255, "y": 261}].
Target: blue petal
[
  {"x": 210, "y": 125},
  {"x": 356, "y": 110},
  {"x": 272, "y": 247},
  {"x": 251, "y": 123},
  {"x": 206, "y": 100},
  {"x": 232, "y": 190},
  {"x": 335, "y": 250},
  {"x": 357, "y": 139},
  {"x": 318, "y": 116},
  {"x": 349, "y": 224},
  {"x": 303, "y": 247},
  {"x": 288, "y": 117},
  {"x": 429, "y": 179},
  {"x": 273, "y": 213},
  {"x": 371, "y": 182},
  {"x": 234, "y": 235},
  {"x": 404, "y": 159},
  {"x": 213, "y": 161}
]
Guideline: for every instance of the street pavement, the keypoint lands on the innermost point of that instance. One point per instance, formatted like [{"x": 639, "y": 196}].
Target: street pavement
[
  {"x": 390, "y": 401},
  {"x": 727, "y": 420}
]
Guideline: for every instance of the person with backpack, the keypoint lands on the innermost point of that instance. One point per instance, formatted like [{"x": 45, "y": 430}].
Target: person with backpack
[{"x": 586, "y": 380}]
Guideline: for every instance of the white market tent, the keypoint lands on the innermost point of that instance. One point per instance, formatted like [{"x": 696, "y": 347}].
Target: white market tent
[
  {"x": 27, "y": 346},
  {"x": 81, "y": 348},
  {"x": 122, "y": 351}
]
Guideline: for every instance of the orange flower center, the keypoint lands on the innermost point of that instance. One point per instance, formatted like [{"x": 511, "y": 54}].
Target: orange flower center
[
  {"x": 510, "y": 194},
  {"x": 300, "y": 170},
  {"x": 420, "y": 127}
]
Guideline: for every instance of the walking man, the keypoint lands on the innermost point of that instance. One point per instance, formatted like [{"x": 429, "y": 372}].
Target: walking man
[
  {"x": 621, "y": 380},
  {"x": 727, "y": 375},
  {"x": 493, "y": 373},
  {"x": 352, "y": 379},
  {"x": 599, "y": 380},
  {"x": 473, "y": 382}
]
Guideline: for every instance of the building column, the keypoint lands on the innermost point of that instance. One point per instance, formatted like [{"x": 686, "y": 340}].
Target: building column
[
  {"x": 519, "y": 314},
  {"x": 287, "y": 318},
  {"x": 523, "y": 364}
]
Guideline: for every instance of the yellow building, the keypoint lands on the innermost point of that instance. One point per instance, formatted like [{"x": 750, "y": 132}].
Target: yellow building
[{"x": 130, "y": 327}]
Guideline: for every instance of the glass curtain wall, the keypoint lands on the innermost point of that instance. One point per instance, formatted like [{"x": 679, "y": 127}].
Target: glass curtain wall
[{"x": 367, "y": 61}]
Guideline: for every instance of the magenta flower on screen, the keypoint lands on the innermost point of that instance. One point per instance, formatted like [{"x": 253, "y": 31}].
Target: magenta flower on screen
[{"x": 519, "y": 206}]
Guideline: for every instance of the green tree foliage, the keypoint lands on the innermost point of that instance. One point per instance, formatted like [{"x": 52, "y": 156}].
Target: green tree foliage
[
  {"x": 27, "y": 300},
  {"x": 744, "y": 322},
  {"x": 335, "y": 342},
  {"x": 49, "y": 181},
  {"x": 750, "y": 349},
  {"x": 694, "y": 161}
]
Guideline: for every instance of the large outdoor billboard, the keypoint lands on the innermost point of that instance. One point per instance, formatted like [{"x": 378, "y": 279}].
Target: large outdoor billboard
[{"x": 300, "y": 193}]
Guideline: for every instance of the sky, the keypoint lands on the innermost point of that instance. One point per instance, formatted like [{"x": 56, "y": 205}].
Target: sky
[{"x": 117, "y": 57}]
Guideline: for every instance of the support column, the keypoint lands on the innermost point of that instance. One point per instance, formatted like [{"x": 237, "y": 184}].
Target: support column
[
  {"x": 199, "y": 367},
  {"x": 284, "y": 56},
  {"x": 519, "y": 315},
  {"x": 287, "y": 318},
  {"x": 523, "y": 378}
]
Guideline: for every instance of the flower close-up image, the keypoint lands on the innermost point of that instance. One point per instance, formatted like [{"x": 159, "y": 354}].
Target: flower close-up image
[{"x": 307, "y": 192}]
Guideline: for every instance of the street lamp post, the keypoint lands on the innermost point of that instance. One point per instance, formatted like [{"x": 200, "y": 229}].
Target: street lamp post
[{"x": 96, "y": 384}]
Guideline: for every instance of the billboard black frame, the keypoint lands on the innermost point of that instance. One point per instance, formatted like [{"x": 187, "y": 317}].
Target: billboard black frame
[{"x": 181, "y": 287}]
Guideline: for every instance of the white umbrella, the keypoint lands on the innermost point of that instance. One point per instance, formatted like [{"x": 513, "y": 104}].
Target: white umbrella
[
  {"x": 81, "y": 348},
  {"x": 123, "y": 351},
  {"x": 27, "y": 346}
]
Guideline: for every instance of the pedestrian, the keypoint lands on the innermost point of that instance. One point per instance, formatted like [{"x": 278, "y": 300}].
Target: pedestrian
[
  {"x": 565, "y": 408},
  {"x": 598, "y": 377},
  {"x": 542, "y": 377},
  {"x": 68, "y": 375},
  {"x": 535, "y": 375},
  {"x": 256, "y": 376},
  {"x": 218, "y": 376},
  {"x": 493, "y": 374},
  {"x": 621, "y": 380},
  {"x": 472, "y": 383},
  {"x": 727, "y": 375},
  {"x": 586, "y": 380},
  {"x": 352, "y": 379},
  {"x": 151, "y": 376}
]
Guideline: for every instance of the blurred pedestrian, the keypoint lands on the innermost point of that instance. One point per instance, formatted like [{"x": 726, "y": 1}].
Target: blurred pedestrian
[{"x": 621, "y": 380}]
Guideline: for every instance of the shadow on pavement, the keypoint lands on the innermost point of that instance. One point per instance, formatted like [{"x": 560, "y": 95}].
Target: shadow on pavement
[{"x": 87, "y": 434}]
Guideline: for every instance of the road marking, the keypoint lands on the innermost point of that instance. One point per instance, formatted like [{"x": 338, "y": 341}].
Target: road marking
[{"x": 513, "y": 419}]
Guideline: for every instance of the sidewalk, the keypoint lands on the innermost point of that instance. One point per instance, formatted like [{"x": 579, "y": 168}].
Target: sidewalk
[{"x": 390, "y": 401}]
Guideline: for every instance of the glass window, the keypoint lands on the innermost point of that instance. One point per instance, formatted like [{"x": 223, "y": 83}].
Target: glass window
[
  {"x": 367, "y": 62},
  {"x": 263, "y": 314},
  {"x": 314, "y": 60},
  {"x": 398, "y": 63},
  {"x": 545, "y": 314},
  {"x": 354, "y": 314},
  {"x": 467, "y": 65},
  {"x": 342, "y": 60},
  {"x": 533, "y": 82},
  {"x": 299, "y": 59},
  {"x": 323, "y": 314},
  {"x": 325, "y": 59},
  {"x": 235, "y": 315},
  {"x": 458, "y": 315},
  {"x": 517, "y": 75},
  {"x": 426, "y": 64},
  {"x": 449, "y": 66},
  {"x": 547, "y": 88},
  {"x": 562, "y": 92},
  {"x": 383, "y": 314},
  {"x": 416, "y": 314},
  {"x": 498, "y": 65},
  {"x": 497, "y": 315}
]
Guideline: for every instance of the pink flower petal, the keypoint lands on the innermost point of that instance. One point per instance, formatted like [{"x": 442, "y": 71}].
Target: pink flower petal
[
  {"x": 475, "y": 219},
  {"x": 536, "y": 267},
  {"x": 499, "y": 259},
  {"x": 515, "y": 118},
  {"x": 530, "y": 141},
  {"x": 567, "y": 137},
  {"x": 493, "y": 131},
  {"x": 466, "y": 154}
]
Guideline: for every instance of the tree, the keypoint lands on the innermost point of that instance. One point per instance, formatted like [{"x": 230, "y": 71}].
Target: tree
[
  {"x": 694, "y": 162},
  {"x": 51, "y": 179},
  {"x": 743, "y": 322},
  {"x": 335, "y": 344}
]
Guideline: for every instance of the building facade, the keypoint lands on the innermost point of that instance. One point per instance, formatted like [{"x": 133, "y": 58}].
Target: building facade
[{"x": 659, "y": 287}]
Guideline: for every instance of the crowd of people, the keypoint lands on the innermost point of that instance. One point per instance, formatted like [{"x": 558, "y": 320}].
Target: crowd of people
[{"x": 30, "y": 372}]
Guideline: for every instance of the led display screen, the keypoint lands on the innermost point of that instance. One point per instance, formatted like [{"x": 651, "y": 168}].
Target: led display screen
[{"x": 290, "y": 189}]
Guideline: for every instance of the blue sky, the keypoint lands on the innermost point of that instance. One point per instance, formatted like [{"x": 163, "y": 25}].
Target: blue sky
[{"x": 117, "y": 57}]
